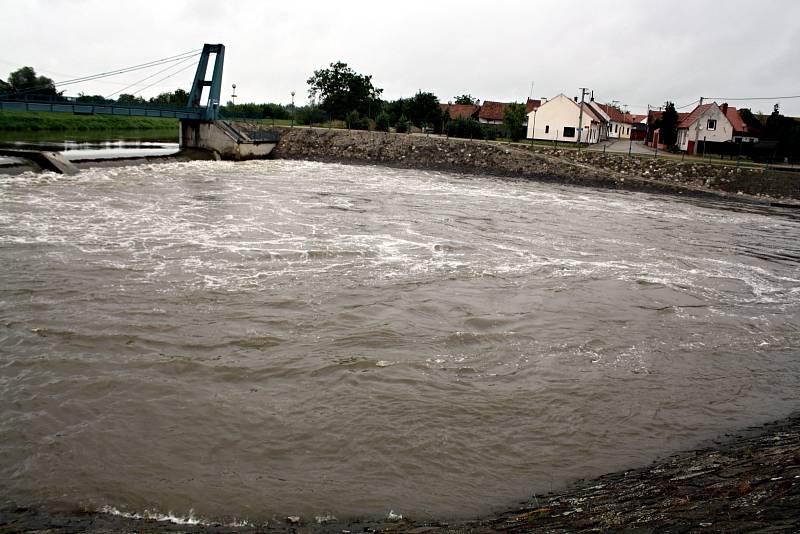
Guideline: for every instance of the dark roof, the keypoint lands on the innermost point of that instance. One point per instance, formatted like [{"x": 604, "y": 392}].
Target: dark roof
[
  {"x": 531, "y": 104},
  {"x": 460, "y": 110},
  {"x": 492, "y": 111}
]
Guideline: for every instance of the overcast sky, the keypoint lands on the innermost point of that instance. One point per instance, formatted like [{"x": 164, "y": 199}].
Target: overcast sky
[{"x": 635, "y": 52}]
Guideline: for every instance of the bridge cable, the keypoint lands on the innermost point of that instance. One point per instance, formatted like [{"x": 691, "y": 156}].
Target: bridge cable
[
  {"x": 124, "y": 70},
  {"x": 164, "y": 78},
  {"x": 190, "y": 58},
  {"x": 170, "y": 59}
]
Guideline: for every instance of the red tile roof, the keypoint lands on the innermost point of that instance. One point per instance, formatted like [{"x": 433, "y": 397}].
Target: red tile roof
[
  {"x": 531, "y": 104},
  {"x": 735, "y": 119},
  {"x": 492, "y": 111},
  {"x": 689, "y": 119},
  {"x": 613, "y": 113},
  {"x": 460, "y": 110},
  {"x": 638, "y": 118}
]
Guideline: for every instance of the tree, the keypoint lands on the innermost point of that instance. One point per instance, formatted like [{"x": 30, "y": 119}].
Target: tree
[
  {"x": 513, "y": 120},
  {"x": 24, "y": 80},
  {"x": 446, "y": 118},
  {"x": 669, "y": 125},
  {"x": 91, "y": 99},
  {"x": 396, "y": 109},
  {"x": 424, "y": 110},
  {"x": 341, "y": 90},
  {"x": 466, "y": 99},
  {"x": 4, "y": 88},
  {"x": 382, "y": 122},
  {"x": 179, "y": 97},
  {"x": 126, "y": 98},
  {"x": 751, "y": 121},
  {"x": 402, "y": 124}
]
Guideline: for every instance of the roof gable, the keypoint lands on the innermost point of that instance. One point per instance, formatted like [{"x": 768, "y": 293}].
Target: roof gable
[
  {"x": 460, "y": 110},
  {"x": 492, "y": 111}
]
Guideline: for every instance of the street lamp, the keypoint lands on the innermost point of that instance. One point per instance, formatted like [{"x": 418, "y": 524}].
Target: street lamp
[
  {"x": 233, "y": 96},
  {"x": 292, "y": 109}
]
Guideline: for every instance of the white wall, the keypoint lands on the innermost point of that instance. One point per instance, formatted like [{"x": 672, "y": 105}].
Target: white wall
[
  {"x": 723, "y": 132},
  {"x": 557, "y": 113}
]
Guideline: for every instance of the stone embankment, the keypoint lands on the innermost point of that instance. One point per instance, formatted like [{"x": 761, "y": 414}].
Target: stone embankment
[{"x": 589, "y": 168}]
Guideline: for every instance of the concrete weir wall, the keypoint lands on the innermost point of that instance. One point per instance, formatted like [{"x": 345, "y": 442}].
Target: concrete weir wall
[
  {"x": 224, "y": 140},
  {"x": 568, "y": 166}
]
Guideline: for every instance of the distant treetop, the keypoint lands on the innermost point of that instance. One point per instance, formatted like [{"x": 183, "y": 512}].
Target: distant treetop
[{"x": 466, "y": 99}]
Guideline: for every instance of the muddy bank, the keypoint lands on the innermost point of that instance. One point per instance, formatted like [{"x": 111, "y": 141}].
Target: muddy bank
[
  {"x": 748, "y": 482},
  {"x": 587, "y": 168}
]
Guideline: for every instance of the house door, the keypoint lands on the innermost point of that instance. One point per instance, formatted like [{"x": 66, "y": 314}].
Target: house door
[{"x": 690, "y": 147}]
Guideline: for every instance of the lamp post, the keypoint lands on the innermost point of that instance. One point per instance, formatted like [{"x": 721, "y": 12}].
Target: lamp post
[
  {"x": 533, "y": 130},
  {"x": 233, "y": 98},
  {"x": 292, "y": 109}
]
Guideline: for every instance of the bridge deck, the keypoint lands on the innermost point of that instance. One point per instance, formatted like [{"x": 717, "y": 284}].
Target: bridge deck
[{"x": 101, "y": 109}]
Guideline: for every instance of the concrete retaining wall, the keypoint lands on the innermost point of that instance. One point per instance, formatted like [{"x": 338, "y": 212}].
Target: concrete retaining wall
[{"x": 211, "y": 136}]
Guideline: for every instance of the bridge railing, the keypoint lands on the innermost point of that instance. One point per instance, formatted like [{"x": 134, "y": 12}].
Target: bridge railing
[{"x": 94, "y": 106}]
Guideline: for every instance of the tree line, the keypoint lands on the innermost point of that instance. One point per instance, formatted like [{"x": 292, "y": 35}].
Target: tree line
[
  {"x": 25, "y": 83},
  {"x": 337, "y": 93},
  {"x": 344, "y": 94}
]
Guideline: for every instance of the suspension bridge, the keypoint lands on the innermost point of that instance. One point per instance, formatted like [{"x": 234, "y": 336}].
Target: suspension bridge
[{"x": 202, "y": 125}]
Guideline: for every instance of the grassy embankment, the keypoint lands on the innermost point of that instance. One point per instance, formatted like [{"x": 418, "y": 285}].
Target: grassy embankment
[{"x": 32, "y": 121}]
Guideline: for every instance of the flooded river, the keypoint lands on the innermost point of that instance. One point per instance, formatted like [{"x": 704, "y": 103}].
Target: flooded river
[
  {"x": 272, "y": 338},
  {"x": 102, "y": 144}
]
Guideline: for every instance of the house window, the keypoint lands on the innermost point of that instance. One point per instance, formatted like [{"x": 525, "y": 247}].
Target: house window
[
  {"x": 547, "y": 129},
  {"x": 569, "y": 131},
  {"x": 712, "y": 124}
]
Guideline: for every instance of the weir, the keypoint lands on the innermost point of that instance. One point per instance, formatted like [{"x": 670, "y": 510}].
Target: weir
[
  {"x": 209, "y": 132},
  {"x": 201, "y": 125}
]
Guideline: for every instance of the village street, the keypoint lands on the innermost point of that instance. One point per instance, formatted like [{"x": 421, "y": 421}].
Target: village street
[{"x": 622, "y": 145}]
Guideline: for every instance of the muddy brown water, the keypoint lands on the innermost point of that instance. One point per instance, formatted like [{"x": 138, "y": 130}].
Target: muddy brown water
[{"x": 246, "y": 341}]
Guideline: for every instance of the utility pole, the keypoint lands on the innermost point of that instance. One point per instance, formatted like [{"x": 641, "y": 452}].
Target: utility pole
[
  {"x": 697, "y": 132},
  {"x": 580, "y": 116}
]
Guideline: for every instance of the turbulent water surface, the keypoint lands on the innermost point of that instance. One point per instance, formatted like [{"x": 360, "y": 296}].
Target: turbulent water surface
[{"x": 262, "y": 339}]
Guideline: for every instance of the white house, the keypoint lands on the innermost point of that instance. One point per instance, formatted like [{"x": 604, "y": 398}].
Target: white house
[
  {"x": 558, "y": 120},
  {"x": 619, "y": 124},
  {"x": 707, "y": 123},
  {"x": 605, "y": 119}
]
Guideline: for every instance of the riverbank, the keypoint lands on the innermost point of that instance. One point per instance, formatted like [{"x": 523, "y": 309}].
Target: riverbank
[
  {"x": 544, "y": 163},
  {"x": 32, "y": 121},
  {"x": 748, "y": 482}
]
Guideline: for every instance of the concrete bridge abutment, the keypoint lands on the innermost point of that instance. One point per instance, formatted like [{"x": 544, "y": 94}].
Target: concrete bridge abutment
[{"x": 225, "y": 140}]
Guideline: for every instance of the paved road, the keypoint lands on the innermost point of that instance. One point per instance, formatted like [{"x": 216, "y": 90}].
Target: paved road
[{"x": 622, "y": 145}]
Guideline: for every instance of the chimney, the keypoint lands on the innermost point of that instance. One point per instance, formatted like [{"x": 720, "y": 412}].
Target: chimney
[
  {"x": 575, "y": 98},
  {"x": 592, "y": 99},
  {"x": 724, "y": 108}
]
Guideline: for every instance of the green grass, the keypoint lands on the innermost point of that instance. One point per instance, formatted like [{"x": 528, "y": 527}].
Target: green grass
[{"x": 33, "y": 121}]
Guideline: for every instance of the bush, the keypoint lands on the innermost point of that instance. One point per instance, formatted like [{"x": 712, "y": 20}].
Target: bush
[
  {"x": 310, "y": 115},
  {"x": 465, "y": 128},
  {"x": 356, "y": 121},
  {"x": 382, "y": 122}
]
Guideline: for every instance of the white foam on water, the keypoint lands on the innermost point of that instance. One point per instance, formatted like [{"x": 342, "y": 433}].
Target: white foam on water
[{"x": 191, "y": 519}]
